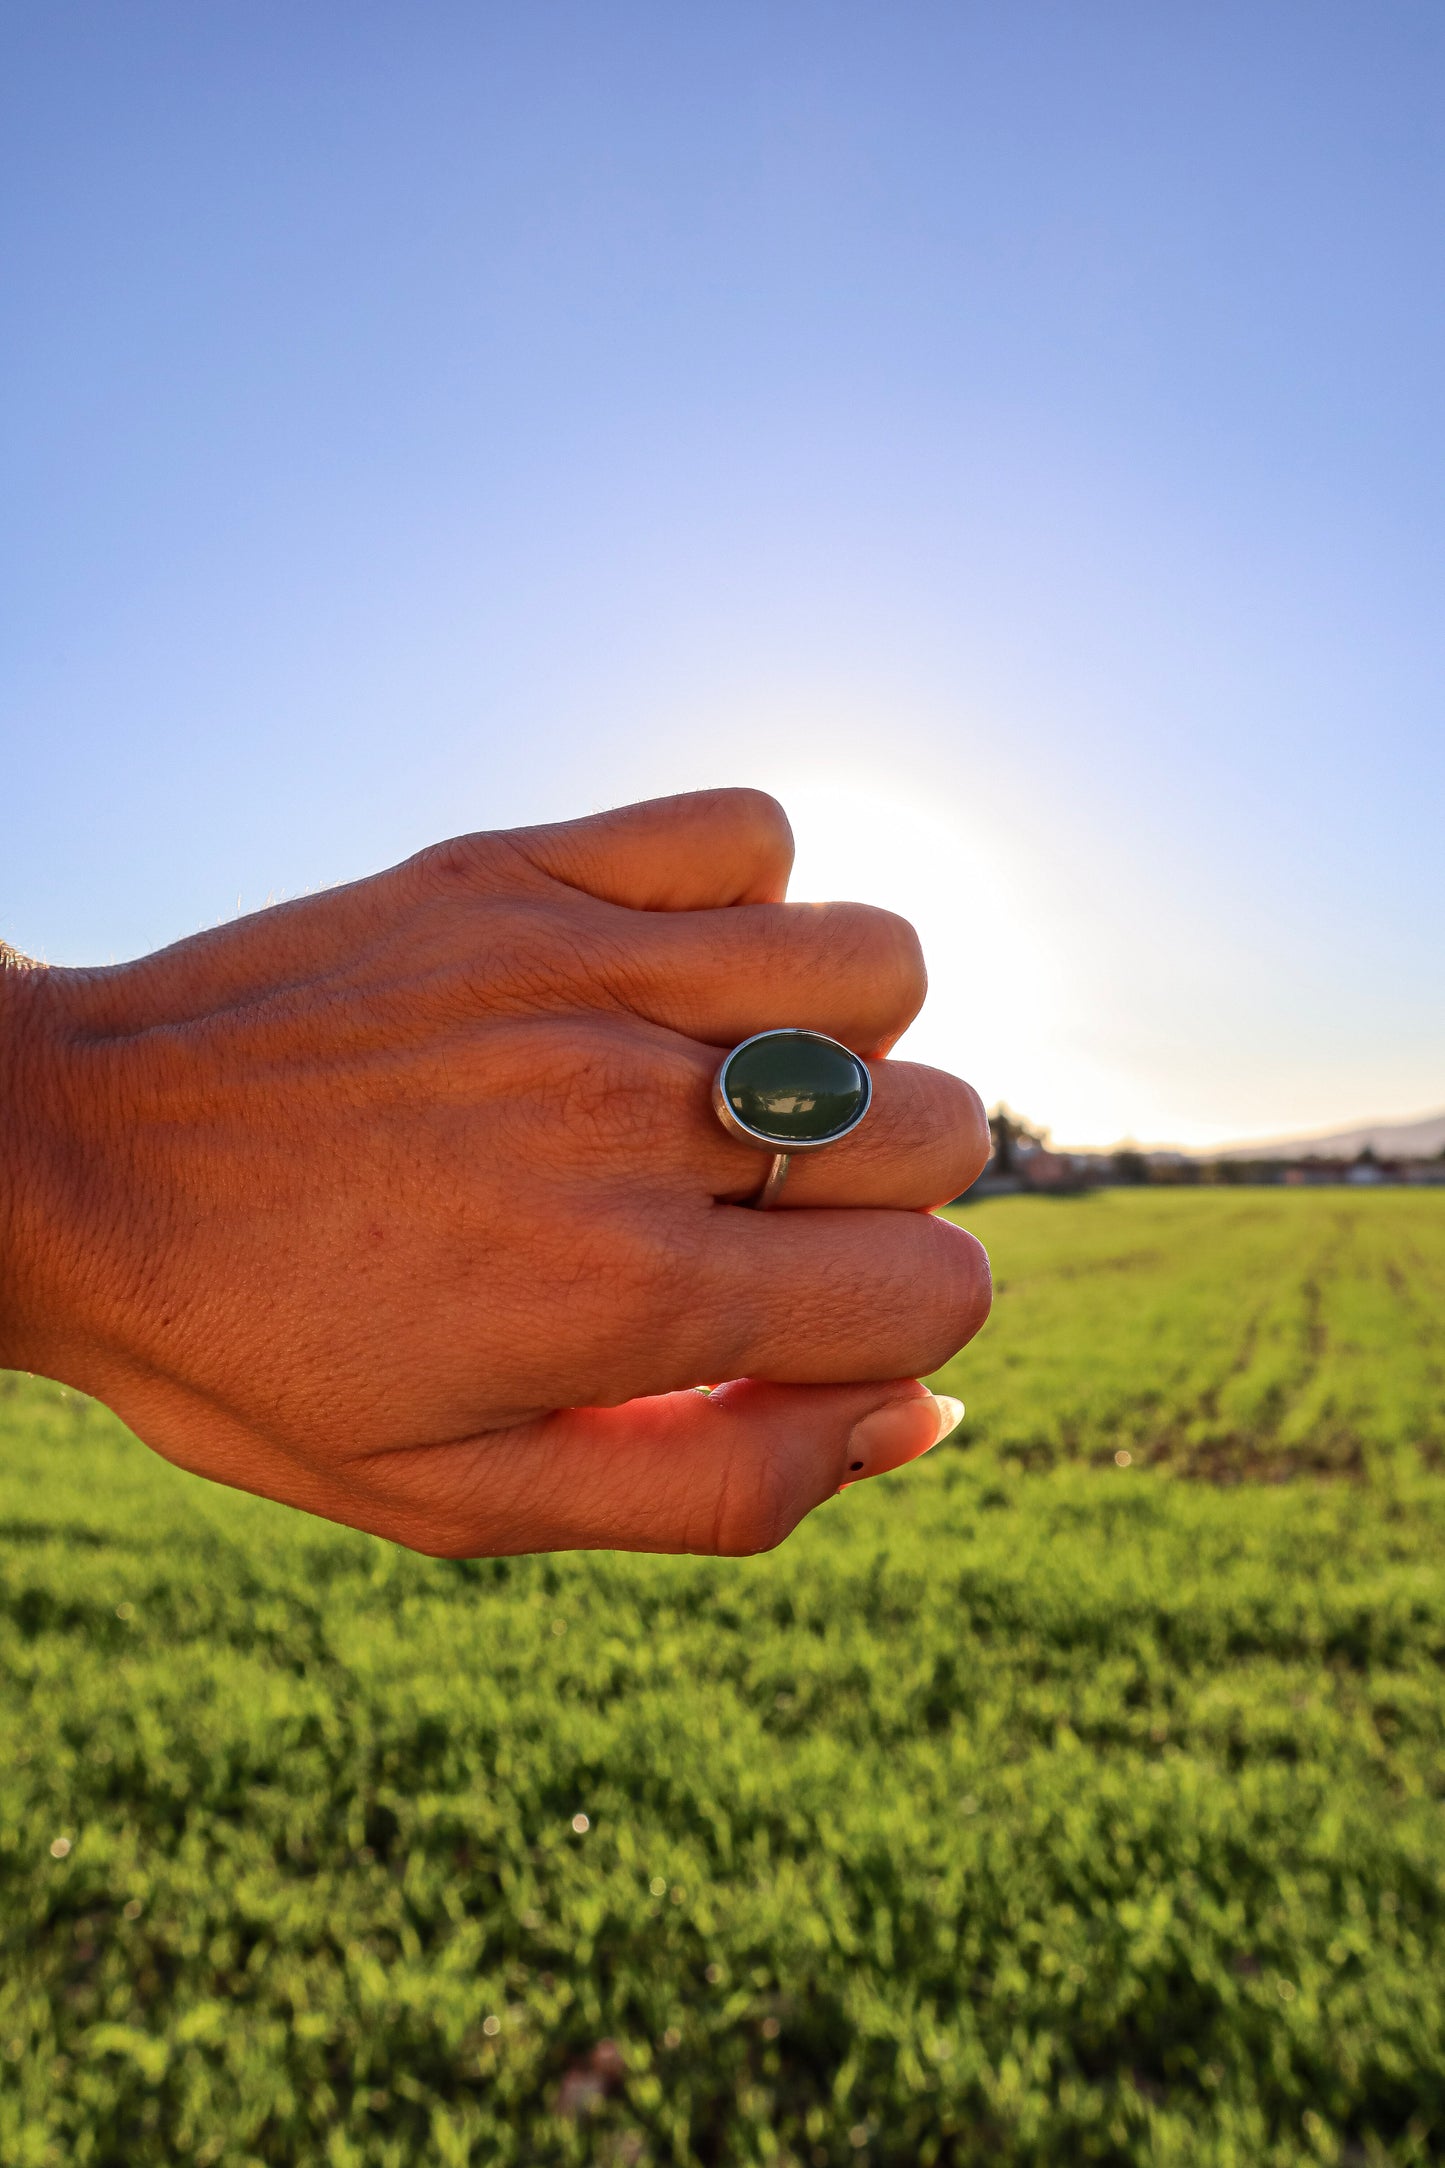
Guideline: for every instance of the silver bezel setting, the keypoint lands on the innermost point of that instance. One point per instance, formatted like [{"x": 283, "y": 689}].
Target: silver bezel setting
[{"x": 786, "y": 1146}]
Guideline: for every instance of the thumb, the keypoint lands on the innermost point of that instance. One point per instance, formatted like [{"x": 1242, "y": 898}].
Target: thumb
[{"x": 726, "y": 1473}]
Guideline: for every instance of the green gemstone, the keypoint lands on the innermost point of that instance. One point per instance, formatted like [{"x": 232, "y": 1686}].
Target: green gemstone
[{"x": 795, "y": 1087}]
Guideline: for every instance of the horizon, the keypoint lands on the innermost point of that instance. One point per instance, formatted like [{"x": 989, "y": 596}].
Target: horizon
[
  {"x": 1298, "y": 1142},
  {"x": 1011, "y": 437}
]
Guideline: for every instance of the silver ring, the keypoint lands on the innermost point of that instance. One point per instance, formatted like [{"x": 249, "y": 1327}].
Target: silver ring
[{"x": 790, "y": 1091}]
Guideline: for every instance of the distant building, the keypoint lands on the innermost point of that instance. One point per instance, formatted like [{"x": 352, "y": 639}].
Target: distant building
[{"x": 1023, "y": 1160}]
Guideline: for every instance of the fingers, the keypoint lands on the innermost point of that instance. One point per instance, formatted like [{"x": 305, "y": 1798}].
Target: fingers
[
  {"x": 829, "y": 1297},
  {"x": 698, "y": 938},
  {"x": 729, "y": 1473},
  {"x": 922, "y": 1142},
  {"x": 847, "y": 969},
  {"x": 696, "y": 852}
]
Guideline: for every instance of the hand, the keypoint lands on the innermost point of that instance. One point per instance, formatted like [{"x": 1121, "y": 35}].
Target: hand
[{"x": 406, "y": 1203}]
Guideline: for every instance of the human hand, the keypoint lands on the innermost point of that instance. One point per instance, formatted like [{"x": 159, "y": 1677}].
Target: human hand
[{"x": 405, "y": 1203}]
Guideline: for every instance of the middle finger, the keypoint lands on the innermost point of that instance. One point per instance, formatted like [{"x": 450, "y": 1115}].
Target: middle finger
[{"x": 846, "y": 969}]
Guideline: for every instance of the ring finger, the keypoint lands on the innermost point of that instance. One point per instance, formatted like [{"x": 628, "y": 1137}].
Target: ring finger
[{"x": 922, "y": 1142}]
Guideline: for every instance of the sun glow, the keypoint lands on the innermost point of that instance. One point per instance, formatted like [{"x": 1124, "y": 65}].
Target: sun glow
[{"x": 1003, "y": 1006}]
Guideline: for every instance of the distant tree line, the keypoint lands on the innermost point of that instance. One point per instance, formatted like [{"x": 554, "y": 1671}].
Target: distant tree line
[{"x": 1023, "y": 1158}]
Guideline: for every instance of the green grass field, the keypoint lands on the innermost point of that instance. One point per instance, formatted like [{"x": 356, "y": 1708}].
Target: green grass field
[{"x": 1030, "y": 1806}]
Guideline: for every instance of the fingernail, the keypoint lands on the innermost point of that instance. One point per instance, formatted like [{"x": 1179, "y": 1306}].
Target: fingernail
[
  {"x": 900, "y": 1431},
  {"x": 950, "y": 1413}
]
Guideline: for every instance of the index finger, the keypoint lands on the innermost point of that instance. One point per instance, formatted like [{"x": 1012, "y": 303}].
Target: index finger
[{"x": 691, "y": 853}]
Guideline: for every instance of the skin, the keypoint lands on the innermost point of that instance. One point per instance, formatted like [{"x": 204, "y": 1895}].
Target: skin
[{"x": 405, "y": 1203}]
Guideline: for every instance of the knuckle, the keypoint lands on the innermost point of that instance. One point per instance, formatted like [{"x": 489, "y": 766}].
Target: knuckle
[
  {"x": 904, "y": 960},
  {"x": 619, "y": 1099},
  {"x": 630, "y": 967},
  {"x": 882, "y": 950},
  {"x": 966, "y": 1282},
  {"x": 645, "y": 1277},
  {"x": 639, "y": 1280},
  {"x": 538, "y": 957},
  {"x": 760, "y": 821},
  {"x": 969, "y": 1142},
  {"x": 456, "y": 862},
  {"x": 674, "y": 1312},
  {"x": 945, "y": 1299},
  {"x": 757, "y": 1510}
]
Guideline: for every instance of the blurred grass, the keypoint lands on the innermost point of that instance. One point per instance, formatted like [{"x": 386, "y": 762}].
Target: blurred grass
[
  {"x": 1025, "y": 1808},
  {"x": 1223, "y": 1332}
]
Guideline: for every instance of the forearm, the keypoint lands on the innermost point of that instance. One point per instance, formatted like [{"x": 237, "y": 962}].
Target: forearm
[{"x": 23, "y": 1121}]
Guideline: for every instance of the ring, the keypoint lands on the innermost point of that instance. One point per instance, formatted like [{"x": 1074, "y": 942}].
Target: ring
[{"x": 790, "y": 1091}]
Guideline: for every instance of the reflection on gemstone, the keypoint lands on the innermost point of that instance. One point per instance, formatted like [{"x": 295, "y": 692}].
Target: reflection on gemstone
[{"x": 796, "y": 1087}]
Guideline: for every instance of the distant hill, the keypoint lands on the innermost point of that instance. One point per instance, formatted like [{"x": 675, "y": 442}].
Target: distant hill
[{"x": 1420, "y": 1139}]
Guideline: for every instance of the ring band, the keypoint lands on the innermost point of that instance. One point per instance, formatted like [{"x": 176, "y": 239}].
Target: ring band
[
  {"x": 772, "y": 1188},
  {"x": 790, "y": 1091}
]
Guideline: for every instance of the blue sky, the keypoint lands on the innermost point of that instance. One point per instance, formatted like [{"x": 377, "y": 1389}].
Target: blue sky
[{"x": 1012, "y": 433}]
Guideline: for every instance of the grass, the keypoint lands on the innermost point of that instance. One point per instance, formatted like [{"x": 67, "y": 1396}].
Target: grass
[{"x": 1027, "y": 1807}]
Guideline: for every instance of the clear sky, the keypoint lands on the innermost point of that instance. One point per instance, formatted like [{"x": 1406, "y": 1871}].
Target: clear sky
[{"x": 1011, "y": 432}]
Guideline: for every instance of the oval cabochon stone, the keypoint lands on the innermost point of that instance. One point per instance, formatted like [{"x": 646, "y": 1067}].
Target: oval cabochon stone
[{"x": 795, "y": 1087}]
